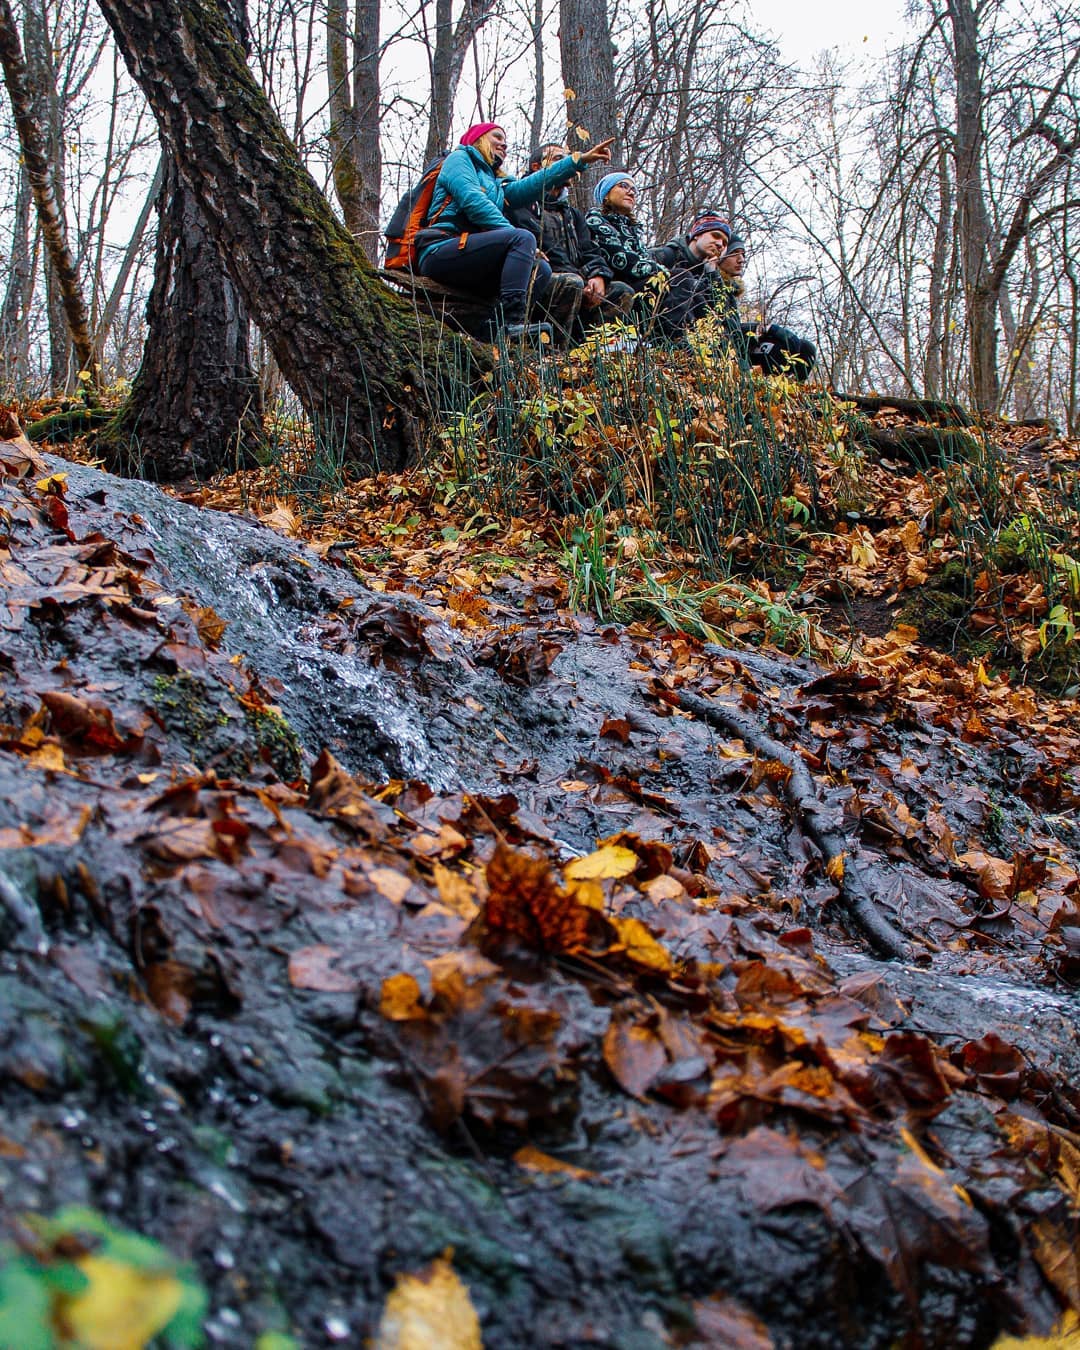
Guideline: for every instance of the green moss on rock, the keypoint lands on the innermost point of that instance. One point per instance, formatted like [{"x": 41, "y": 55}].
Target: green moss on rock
[{"x": 277, "y": 742}]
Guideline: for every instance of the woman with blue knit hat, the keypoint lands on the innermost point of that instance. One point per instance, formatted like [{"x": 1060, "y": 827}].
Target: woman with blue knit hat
[
  {"x": 469, "y": 243},
  {"x": 669, "y": 304}
]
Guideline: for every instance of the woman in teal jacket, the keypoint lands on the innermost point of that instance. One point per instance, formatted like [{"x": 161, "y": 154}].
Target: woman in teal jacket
[{"x": 469, "y": 243}]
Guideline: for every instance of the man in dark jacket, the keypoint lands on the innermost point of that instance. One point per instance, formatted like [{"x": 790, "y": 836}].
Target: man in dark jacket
[
  {"x": 696, "y": 255},
  {"x": 582, "y": 280},
  {"x": 776, "y": 350}
]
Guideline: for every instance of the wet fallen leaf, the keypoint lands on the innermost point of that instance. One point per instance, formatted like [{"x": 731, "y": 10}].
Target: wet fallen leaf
[
  {"x": 171, "y": 986},
  {"x": 609, "y": 862},
  {"x": 720, "y": 1323},
  {"x": 1065, "y": 1336},
  {"x": 400, "y": 999},
  {"x": 526, "y": 903},
  {"x": 641, "y": 947},
  {"x": 534, "y": 1160},
  {"x": 635, "y": 1054},
  {"x": 122, "y": 1308},
  {"x": 428, "y": 1310},
  {"x": 314, "y": 968}
]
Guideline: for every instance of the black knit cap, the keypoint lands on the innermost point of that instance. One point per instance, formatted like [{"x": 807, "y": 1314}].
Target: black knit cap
[{"x": 736, "y": 243}]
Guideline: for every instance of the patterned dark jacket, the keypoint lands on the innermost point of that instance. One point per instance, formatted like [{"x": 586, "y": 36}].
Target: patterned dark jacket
[
  {"x": 564, "y": 237},
  {"x": 620, "y": 240}
]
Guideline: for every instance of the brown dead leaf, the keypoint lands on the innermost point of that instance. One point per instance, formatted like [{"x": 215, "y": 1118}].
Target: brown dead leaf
[
  {"x": 617, "y": 728},
  {"x": 533, "y": 1160},
  {"x": 86, "y": 724},
  {"x": 394, "y": 885},
  {"x": 334, "y": 791},
  {"x": 283, "y": 519},
  {"x": 180, "y": 840},
  {"x": 209, "y": 624},
  {"x": 400, "y": 999},
  {"x": 314, "y": 968},
  {"x": 635, "y": 1054},
  {"x": 1059, "y": 1258},
  {"x": 526, "y": 904},
  {"x": 455, "y": 892},
  {"x": 722, "y": 1322},
  {"x": 171, "y": 986},
  {"x": 994, "y": 875}
]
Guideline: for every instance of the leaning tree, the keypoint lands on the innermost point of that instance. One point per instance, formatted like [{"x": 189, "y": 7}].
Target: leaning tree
[{"x": 356, "y": 357}]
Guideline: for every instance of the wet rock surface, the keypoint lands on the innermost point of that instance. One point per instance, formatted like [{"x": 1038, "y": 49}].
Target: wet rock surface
[{"x": 256, "y": 1000}]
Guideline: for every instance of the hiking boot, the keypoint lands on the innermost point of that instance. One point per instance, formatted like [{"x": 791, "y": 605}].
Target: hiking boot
[{"x": 527, "y": 332}]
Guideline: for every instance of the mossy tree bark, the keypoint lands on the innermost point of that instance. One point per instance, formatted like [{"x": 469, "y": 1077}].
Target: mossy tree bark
[{"x": 354, "y": 354}]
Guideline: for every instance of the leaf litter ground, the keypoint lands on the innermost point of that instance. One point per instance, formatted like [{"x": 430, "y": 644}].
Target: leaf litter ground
[{"x": 354, "y": 928}]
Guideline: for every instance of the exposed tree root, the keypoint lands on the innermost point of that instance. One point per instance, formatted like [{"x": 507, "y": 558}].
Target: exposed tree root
[
  {"x": 61, "y": 428},
  {"x": 837, "y": 849}
]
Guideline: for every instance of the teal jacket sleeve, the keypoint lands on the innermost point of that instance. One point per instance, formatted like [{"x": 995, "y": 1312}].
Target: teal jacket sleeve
[
  {"x": 460, "y": 181},
  {"x": 522, "y": 191}
]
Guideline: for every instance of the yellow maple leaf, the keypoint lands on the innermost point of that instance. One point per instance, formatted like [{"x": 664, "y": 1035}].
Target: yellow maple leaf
[
  {"x": 834, "y": 868},
  {"x": 428, "y": 1309},
  {"x": 610, "y": 861},
  {"x": 641, "y": 947}
]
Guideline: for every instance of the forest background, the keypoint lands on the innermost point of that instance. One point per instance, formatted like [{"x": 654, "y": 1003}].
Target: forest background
[{"x": 913, "y": 208}]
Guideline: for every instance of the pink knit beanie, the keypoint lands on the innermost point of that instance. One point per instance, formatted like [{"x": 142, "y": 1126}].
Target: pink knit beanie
[{"x": 477, "y": 130}]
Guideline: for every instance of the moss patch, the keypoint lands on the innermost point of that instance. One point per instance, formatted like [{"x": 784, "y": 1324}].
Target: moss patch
[
  {"x": 186, "y": 709},
  {"x": 276, "y": 741}
]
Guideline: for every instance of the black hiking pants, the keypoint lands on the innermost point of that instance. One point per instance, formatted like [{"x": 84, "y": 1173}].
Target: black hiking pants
[
  {"x": 780, "y": 351},
  {"x": 496, "y": 263}
]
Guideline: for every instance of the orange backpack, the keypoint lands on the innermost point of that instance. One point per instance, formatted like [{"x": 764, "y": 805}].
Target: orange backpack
[{"x": 410, "y": 216}]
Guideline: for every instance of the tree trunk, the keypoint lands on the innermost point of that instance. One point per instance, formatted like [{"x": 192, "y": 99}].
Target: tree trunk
[
  {"x": 14, "y": 312},
  {"x": 195, "y": 405},
  {"x": 447, "y": 58},
  {"x": 350, "y": 351},
  {"x": 354, "y": 117},
  {"x": 33, "y": 142},
  {"x": 936, "y": 325},
  {"x": 588, "y": 70},
  {"x": 976, "y": 263},
  {"x": 536, "y": 120}
]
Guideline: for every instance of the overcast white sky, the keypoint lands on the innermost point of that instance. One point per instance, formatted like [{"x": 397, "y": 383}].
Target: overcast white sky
[{"x": 804, "y": 28}]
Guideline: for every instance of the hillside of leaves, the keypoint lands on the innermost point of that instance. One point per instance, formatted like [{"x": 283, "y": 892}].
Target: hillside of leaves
[{"x": 617, "y": 884}]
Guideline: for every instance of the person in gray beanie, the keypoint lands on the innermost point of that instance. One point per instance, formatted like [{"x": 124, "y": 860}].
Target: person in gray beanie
[{"x": 774, "y": 350}]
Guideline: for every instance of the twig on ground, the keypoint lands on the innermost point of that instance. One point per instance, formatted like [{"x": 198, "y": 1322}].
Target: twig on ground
[{"x": 837, "y": 849}]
